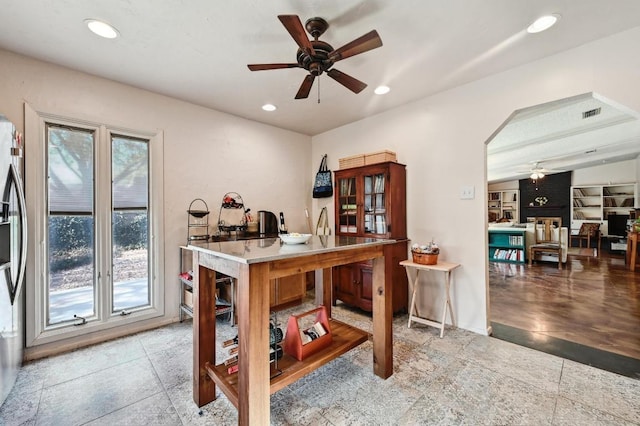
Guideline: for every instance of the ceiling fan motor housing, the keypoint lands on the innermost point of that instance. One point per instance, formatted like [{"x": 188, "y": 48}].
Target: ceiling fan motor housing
[
  {"x": 316, "y": 27},
  {"x": 318, "y": 63}
]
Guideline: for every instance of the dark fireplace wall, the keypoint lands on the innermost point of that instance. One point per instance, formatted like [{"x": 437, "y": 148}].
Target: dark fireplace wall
[{"x": 557, "y": 190}]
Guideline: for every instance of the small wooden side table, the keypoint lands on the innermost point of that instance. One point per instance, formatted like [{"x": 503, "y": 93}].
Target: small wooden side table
[
  {"x": 632, "y": 249},
  {"x": 413, "y": 273}
]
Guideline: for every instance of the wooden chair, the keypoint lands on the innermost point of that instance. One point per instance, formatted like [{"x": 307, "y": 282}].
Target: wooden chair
[
  {"x": 586, "y": 233},
  {"x": 544, "y": 241}
]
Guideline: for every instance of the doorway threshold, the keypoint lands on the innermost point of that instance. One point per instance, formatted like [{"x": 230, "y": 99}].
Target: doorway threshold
[{"x": 604, "y": 360}]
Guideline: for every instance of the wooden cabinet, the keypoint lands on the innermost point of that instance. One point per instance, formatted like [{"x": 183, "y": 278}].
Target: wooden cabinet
[
  {"x": 504, "y": 204},
  {"x": 287, "y": 291},
  {"x": 353, "y": 285},
  {"x": 370, "y": 201}
]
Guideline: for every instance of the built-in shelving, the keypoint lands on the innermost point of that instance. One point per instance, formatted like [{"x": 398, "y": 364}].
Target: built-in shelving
[
  {"x": 504, "y": 205},
  {"x": 595, "y": 203}
]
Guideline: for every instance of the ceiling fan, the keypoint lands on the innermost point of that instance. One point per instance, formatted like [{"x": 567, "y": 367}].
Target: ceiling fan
[
  {"x": 317, "y": 57},
  {"x": 538, "y": 172}
]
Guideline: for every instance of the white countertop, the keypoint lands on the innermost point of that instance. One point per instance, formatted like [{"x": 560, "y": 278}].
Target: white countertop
[{"x": 270, "y": 249}]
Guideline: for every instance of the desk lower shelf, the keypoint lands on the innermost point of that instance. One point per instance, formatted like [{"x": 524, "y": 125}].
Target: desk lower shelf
[{"x": 345, "y": 338}]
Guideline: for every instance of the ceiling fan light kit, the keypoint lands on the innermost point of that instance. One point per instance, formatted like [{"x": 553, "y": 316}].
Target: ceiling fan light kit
[
  {"x": 318, "y": 57},
  {"x": 536, "y": 175}
]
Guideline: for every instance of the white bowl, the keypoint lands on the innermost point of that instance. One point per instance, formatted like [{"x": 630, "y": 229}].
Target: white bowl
[{"x": 295, "y": 238}]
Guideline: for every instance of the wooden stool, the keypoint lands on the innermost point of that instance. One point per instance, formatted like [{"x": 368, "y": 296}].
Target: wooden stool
[{"x": 445, "y": 267}]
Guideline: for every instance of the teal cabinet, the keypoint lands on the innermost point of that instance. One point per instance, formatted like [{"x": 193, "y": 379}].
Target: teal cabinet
[{"x": 507, "y": 245}]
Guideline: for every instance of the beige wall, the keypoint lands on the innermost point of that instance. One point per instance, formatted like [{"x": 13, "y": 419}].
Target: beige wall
[
  {"x": 606, "y": 174},
  {"x": 442, "y": 140},
  {"x": 206, "y": 153}
]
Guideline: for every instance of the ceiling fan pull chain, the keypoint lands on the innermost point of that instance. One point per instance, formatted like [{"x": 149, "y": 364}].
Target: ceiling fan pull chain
[{"x": 318, "y": 90}]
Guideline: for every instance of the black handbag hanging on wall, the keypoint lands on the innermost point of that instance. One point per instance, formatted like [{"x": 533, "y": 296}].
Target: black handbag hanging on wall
[{"x": 323, "y": 186}]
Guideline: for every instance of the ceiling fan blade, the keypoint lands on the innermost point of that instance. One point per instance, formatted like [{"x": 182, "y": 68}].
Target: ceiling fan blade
[
  {"x": 356, "y": 86},
  {"x": 294, "y": 26},
  {"x": 305, "y": 87},
  {"x": 369, "y": 41},
  {"x": 263, "y": 67}
]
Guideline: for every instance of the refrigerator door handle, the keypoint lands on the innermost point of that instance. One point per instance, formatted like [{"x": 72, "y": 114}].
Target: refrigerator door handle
[{"x": 14, "y": 180}]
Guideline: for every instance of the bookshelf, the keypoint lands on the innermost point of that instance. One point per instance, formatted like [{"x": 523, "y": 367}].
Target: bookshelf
[
  {"x": 504, "y": 204},
  {"x": 594, "y": 203},
  {"x": 507, "y": 245},
  {"x": 618, "y": 199}
]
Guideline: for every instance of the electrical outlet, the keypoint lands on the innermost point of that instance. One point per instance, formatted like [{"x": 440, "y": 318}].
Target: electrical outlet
[{"x": 467, "y": 192}]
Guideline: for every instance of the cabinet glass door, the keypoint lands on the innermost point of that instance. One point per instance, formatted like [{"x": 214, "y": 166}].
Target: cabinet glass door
[
  {"x": 347, "y": 216},
  {"x": 375, "y": 214}
]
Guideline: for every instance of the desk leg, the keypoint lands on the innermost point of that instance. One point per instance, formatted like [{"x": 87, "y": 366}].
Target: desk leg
[
  {"x": 414, "y": 280},
  {"x": 447, "y": 303},
  {"x": 204, "y": 331},
  {"x": 253, "y": 354},
  {"x": 632, "y": 247},
  {"x": 627, "y": 255},
  {"x": 382, "y": 320},
  {"x": 327, "y": 288}
]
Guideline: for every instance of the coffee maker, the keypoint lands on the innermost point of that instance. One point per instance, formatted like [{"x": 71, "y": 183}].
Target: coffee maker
[{"x": 268, "y": 226}]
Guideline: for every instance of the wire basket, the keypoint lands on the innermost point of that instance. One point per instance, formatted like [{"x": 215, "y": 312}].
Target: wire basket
[
  {"x": 232, "y": 216},
  {"x": 198, "y": 221}
]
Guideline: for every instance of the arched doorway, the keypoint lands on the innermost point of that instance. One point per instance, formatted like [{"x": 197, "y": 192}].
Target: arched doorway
[{"x": 591, "y": 306}]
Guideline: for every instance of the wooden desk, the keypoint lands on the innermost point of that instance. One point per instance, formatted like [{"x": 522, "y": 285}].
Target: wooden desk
[
  {"x": 414, "y": 269},
  {"x": 632, "y": 249},
  {"x": 253, "y": 263}
]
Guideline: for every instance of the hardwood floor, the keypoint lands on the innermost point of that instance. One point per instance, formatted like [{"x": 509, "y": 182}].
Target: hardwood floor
[{"x": 593, "y": 301}]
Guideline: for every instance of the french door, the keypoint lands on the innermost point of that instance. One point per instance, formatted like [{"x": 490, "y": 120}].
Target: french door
[
  {"x": 98, "y": 257},
  {"x": 81, "y": 257}
]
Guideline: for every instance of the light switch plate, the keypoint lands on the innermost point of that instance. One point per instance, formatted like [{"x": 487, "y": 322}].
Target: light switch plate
[{"x": 467, "y": 193}]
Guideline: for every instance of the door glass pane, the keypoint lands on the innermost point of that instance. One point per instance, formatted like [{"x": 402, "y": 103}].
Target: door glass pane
[
  {"x": 348, "y": 208},
  {"x": 71, "y": 224},
  {"x": 375, "y": 217},
  {"x": 130, "y": 222}
]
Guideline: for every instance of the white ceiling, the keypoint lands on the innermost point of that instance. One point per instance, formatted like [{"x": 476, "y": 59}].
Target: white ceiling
[
  {"x": 198, "y": 50},
  {"x": 557, "y": 137}
]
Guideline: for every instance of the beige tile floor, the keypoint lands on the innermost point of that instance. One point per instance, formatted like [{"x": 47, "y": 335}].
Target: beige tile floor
[{"x": 464, "y": 378}]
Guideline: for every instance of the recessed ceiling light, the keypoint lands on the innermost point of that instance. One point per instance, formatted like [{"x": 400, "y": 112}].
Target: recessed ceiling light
[
  {"x": 269, "y": 107},
  {"x": 101, "y": 28},
  {"x": 381, "y": 90},
  {"x": 543, "y": 23}
]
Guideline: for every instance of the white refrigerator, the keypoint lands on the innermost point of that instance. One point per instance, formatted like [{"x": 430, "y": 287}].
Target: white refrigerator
[{"x": 13, "y": 245}]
